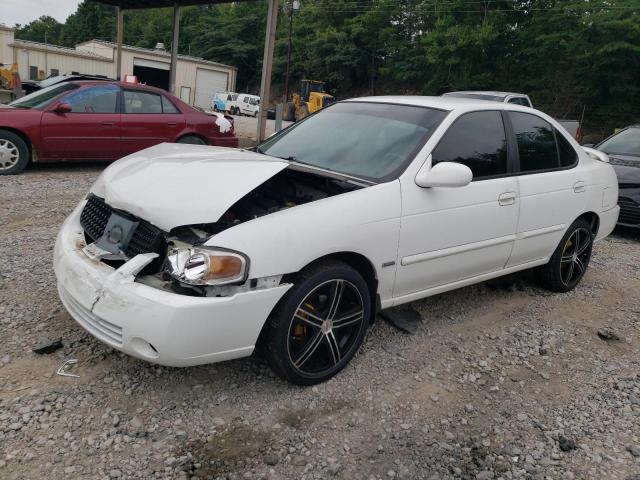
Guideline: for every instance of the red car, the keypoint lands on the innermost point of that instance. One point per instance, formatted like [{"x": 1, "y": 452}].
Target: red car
[{"x": 100, "y": 121}]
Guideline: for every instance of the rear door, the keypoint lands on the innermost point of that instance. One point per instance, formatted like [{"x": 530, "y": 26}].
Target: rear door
[
  {"x": 148, "y": 118},
  {"x": 91, "y": 131},
  {"x": 553, "y": 193}
]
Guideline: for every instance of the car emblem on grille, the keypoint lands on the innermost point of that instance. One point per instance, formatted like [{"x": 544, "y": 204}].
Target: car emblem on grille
[{"x": 115, "y": 235}]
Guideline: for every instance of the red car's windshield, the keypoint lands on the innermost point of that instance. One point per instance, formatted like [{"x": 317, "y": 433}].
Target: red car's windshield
[{"x": 41, "y": 99}]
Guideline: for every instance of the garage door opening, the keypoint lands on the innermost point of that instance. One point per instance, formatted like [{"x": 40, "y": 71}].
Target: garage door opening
[
  {"x": 152, "y": 73},
  {"x": 152, "y": 76}
]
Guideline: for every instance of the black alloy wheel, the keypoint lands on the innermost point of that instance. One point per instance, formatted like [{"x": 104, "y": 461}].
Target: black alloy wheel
[{"x": 319, "y": 325}]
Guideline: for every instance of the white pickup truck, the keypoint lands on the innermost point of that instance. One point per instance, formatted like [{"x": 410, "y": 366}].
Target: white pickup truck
[{"x": 571, "y": 126}]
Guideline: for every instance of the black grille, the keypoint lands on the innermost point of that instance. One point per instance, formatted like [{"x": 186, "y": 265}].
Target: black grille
[
  {"x": 145, "y": 239},
  {"x": 629, "y": 211}
]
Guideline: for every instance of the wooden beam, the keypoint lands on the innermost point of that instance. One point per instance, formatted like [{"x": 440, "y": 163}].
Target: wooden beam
[
  {"x": 267, "y": 67},
  {"x": 174, "y": 47},
  {"x": 119, "y": 36}
]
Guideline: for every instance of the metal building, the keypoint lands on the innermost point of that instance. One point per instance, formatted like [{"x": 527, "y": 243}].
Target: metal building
[{"x": 196, "y": 79}]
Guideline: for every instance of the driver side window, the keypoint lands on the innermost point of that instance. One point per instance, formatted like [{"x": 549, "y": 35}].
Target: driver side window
[
  {"x": 477, "y": 140},
  {"x": 98, "y": 99}
]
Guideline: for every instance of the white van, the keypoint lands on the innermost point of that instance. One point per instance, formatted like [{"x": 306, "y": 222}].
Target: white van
[
  {"x": 225, "y": 102},
  {"x": 248, "y": 104}
]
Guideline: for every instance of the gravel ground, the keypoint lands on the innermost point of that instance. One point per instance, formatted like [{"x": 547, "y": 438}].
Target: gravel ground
[{"x": 502, "y": 380}]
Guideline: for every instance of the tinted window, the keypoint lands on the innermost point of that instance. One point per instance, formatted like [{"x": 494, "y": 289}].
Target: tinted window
[
  {"x": 137, "y": 101},
  {"x": 168, "y": 106},
  {"x": 536, "y": 142},
  {"x": 476, "y": 140},
  {"x": 627, "y": 142},
  {"x": 367, "y": 140},
  {"x": 568, "y": 155},
  {"x": 100, "y": 99},
  {"x": 520, "y": 101}
]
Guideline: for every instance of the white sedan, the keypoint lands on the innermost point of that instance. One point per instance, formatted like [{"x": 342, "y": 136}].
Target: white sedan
[{"x": 184, "y": 255}]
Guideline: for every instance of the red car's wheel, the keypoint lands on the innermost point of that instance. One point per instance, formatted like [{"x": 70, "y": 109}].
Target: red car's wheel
[{"x": 14, "y": 153}]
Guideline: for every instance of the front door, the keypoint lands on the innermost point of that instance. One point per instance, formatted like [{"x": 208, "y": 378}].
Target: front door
[
  {"x": 148, "y": 118},
  {"x": 91, "y": 131},
  {"x": 449, "y": 235}
]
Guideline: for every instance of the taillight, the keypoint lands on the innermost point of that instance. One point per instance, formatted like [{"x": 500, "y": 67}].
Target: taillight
[{"x": 578, "y": 133}]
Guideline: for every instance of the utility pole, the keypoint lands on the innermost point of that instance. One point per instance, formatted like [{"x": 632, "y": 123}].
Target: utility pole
[
  {"x": 267, "y": 64},
  {"x": 289, "y": 8}
]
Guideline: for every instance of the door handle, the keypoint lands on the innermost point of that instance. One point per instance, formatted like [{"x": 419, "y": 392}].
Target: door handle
[
  {"x": 507, "y": 198},
  {"x": 107, "y": 124},
  {"x": 579, "y": 187},
  {"x": 172, "y": 124}
]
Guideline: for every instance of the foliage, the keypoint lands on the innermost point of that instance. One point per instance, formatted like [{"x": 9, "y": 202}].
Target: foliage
[{"x": 568, "y": 55}]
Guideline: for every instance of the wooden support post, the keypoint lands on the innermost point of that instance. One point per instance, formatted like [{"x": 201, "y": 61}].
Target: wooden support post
[
  {"x": 119, "y": 36},
  {"x": 267, "y": 66},
  {"x": 174, "y": 48}
]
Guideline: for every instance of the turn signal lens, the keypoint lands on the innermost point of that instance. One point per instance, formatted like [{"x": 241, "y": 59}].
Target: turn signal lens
[{"x": 201, "y": 266}]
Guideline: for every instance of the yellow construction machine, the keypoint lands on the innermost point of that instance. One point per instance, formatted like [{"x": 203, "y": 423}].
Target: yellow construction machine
[{"x": 311, "y": 98}]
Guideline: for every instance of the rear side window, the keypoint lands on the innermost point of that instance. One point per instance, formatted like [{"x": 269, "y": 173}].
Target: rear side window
[
  {"x": 536, "y": 142},
  {"x": 168, "y": 106},
  {"x": 137, "y": 101},
  {"x": 476, "y": 140},
  {"x": 568, "y": 155}
]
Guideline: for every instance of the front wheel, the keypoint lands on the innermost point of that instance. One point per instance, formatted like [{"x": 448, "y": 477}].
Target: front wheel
[
  {"x": 569, "y": 262},
  {"x": 192, "y": 140},
  {"x": 14, "y": 153},
  {"x": 319, "y": 325}
]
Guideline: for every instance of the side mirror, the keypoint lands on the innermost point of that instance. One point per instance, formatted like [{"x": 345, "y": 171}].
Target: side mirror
[
  {"x": 62, "y": 108},
  {"x": 444, "y": 174},
  {"x": 588, "y": 145}
]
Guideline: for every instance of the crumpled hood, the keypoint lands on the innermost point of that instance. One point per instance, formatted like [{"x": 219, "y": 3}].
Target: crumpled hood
[
  {"x": 176, "y": 184},
  {"x": 627, "y": 168}
]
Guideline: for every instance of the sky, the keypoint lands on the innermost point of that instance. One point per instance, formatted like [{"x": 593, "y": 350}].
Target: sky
[{"x": 25, "y": 11}]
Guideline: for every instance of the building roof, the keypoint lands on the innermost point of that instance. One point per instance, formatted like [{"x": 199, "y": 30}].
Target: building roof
[
  {"x": 158, "y": 53},
  {"x": 47, "y": 47},
  {"x": 138, "y": 4}
]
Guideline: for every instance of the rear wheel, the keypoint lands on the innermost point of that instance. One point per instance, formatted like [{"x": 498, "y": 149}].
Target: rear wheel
[
  {"x": 14, "y": 153},
  {"x": 192, "y": 140},
  {"x": 319, "y": 325},
  {"x": 569, "y": 262}
]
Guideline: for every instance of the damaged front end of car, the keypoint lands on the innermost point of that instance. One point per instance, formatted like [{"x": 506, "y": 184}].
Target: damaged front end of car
[{"x": 187, "y": 261}]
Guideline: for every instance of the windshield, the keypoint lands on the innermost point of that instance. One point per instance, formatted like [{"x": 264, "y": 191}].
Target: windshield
[
  {"x": 626, "y": 142},
  {"x": 42, "y": 98},
  {"x": 374, "y": 141}
]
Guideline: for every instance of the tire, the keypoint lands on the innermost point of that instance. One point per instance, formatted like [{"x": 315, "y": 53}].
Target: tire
[
  {"x": 306, "y": 348},
  {"x": 570, "y": 260},
  {"x": 14, "y": 153},
  {"x": 191, "y": 140}
]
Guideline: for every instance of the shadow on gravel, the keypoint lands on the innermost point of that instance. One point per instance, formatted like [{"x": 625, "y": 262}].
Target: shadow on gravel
[{"x": 70, "y": 167}]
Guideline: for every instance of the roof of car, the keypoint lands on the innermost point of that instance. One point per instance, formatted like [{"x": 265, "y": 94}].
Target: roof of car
[
  {"x": 485, "y": 92},
  {"x": 116, "y": 82},
  {"x": 444, "y": 103}
]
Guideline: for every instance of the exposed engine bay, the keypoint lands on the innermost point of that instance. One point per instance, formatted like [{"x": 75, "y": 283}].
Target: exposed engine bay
[{"x": 287, "y": 189}]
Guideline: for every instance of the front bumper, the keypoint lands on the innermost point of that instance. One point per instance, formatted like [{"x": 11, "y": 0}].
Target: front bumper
[
  {"x": 629, "y": 201},
  {"x": 151, "y": 324}
]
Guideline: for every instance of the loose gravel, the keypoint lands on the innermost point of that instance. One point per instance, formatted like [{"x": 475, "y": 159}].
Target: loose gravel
[{"x": 502, "y": 380}]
